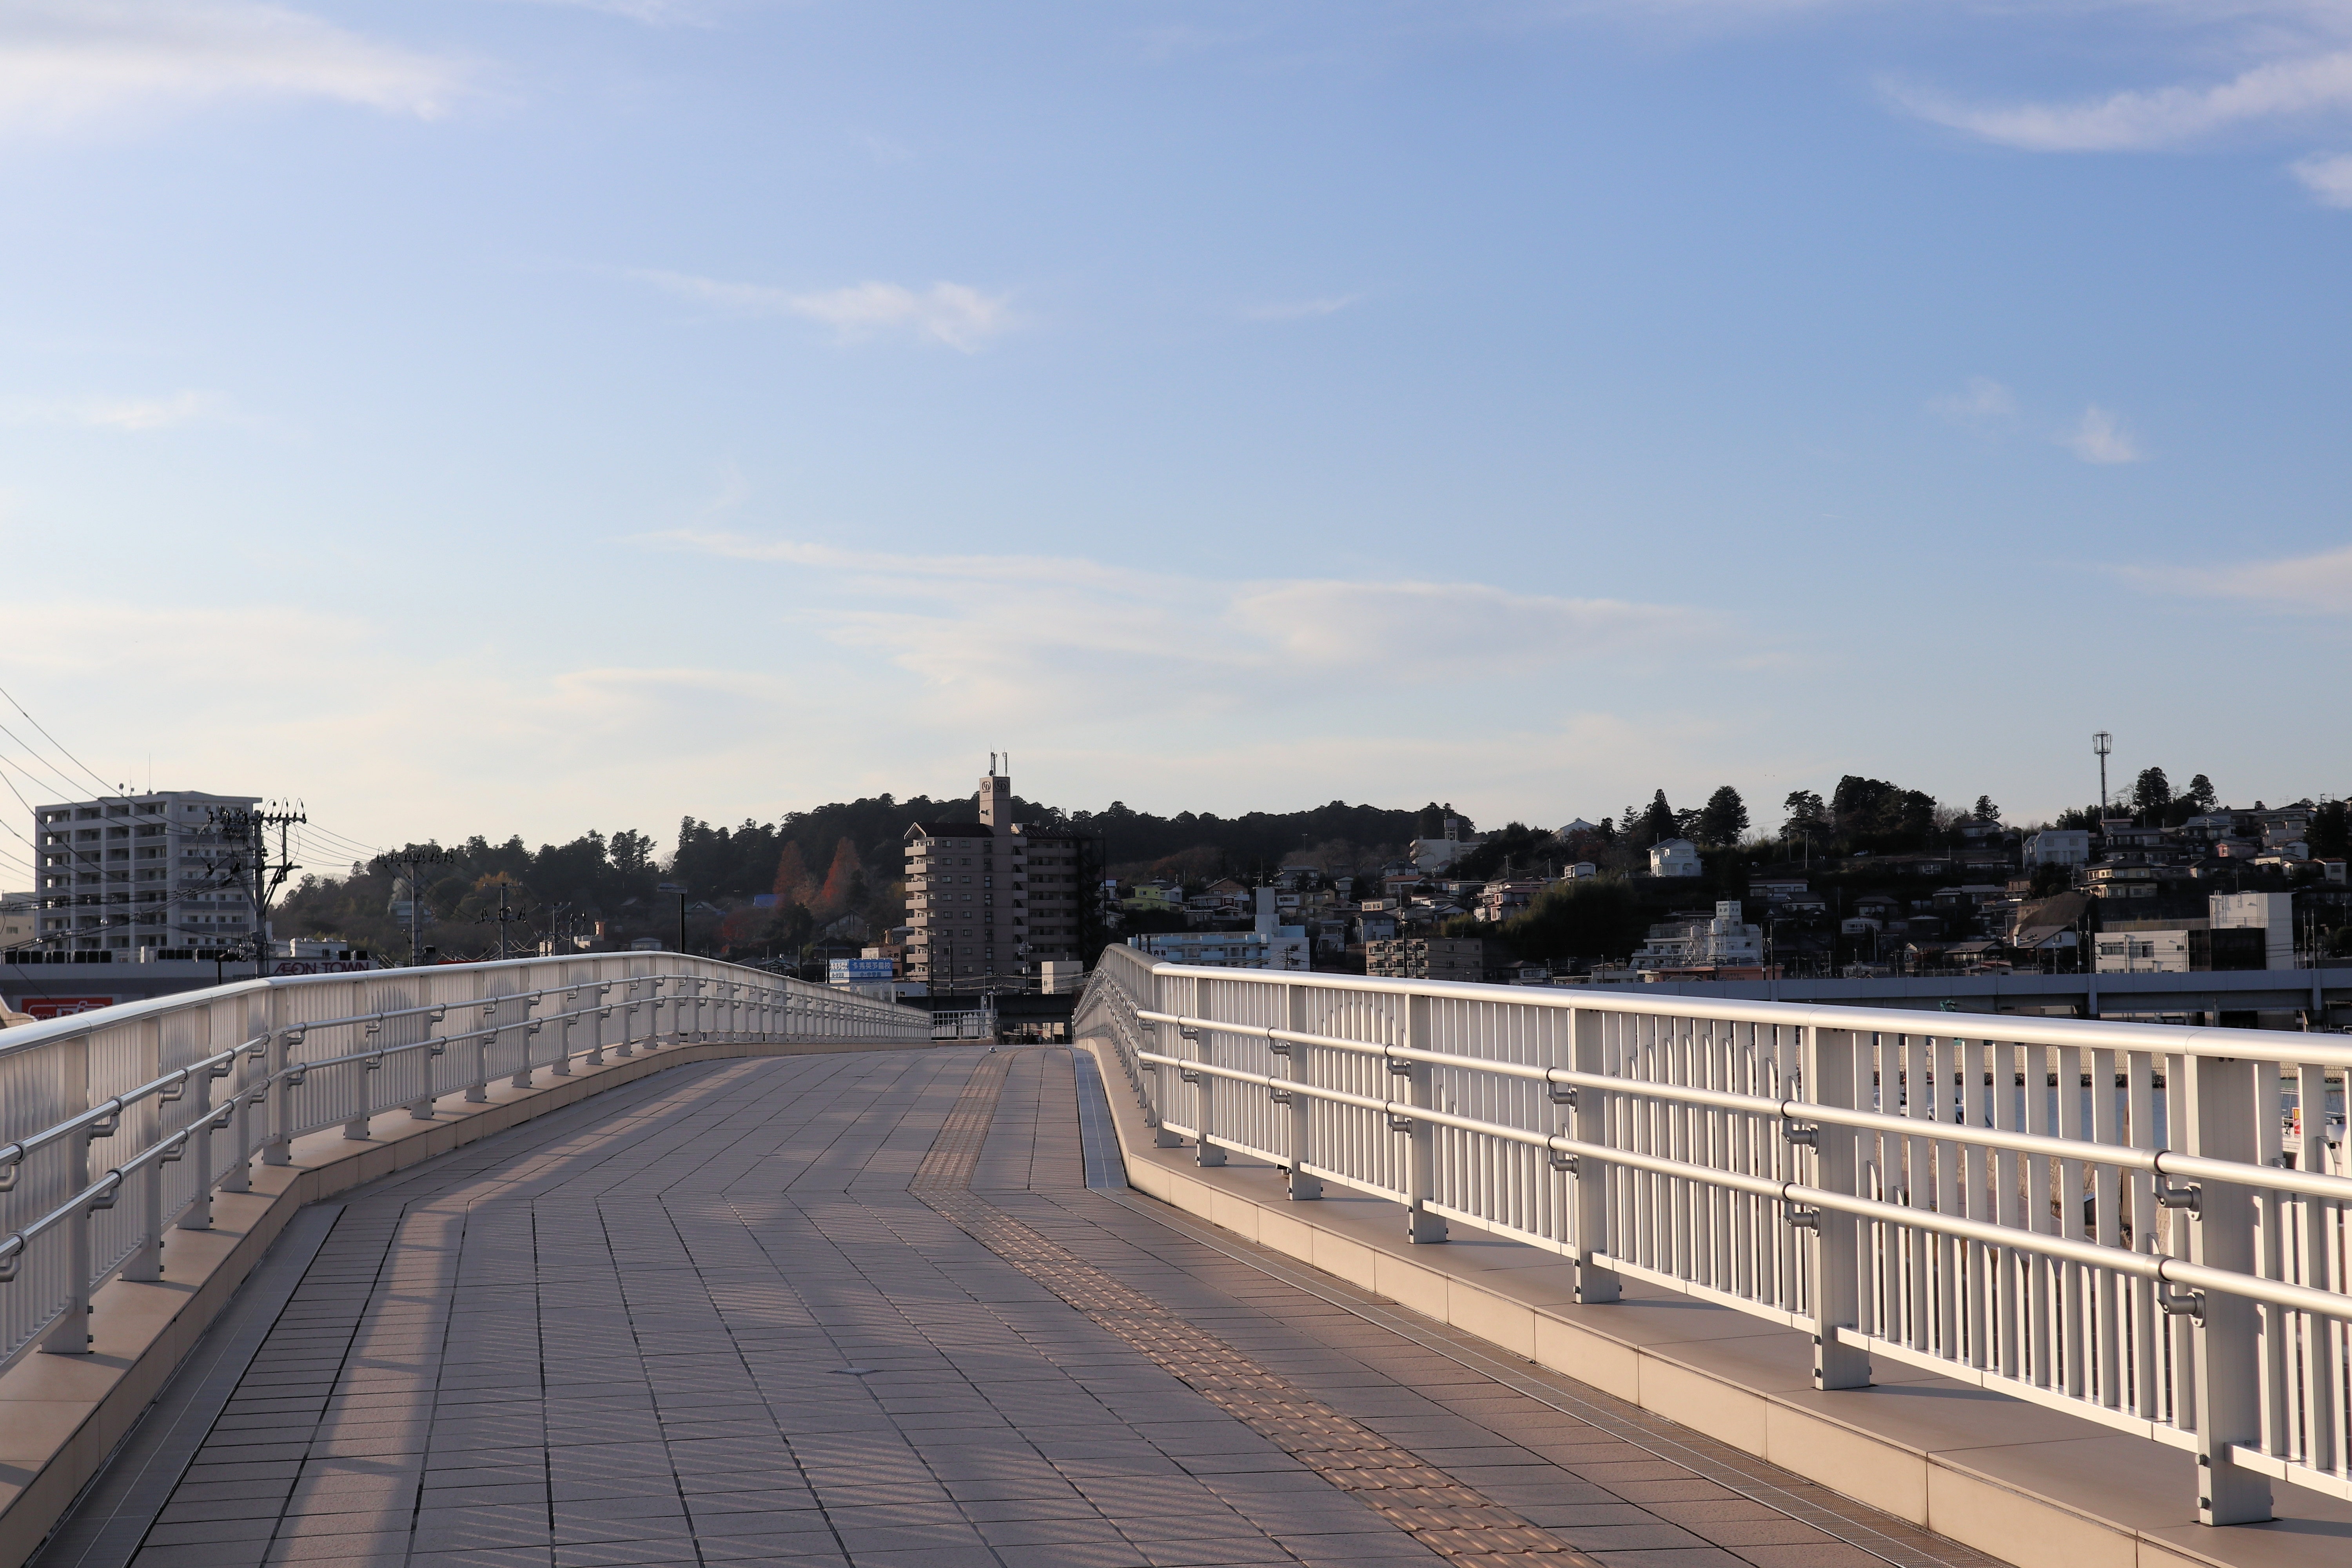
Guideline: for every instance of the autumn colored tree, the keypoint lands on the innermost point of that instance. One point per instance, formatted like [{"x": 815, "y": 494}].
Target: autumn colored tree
[
  {"x": 844, "y": 882},
  {"x": 793, "y": 885}
]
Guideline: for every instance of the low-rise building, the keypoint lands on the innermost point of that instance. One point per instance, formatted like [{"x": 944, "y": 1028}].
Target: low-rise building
[
  {"x": 2058, "y": 847},
  {"x": 1674, "y": 857},
  {"x": 1428, "y": 958},
  {"x": 1723, "y": 940}
]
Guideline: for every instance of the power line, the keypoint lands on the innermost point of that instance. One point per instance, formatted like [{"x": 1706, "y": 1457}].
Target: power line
[{"x": 103, "y": 787}]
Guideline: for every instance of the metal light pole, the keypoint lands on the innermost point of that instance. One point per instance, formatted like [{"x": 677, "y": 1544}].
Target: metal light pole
[
  {"x": 680, "y": 888},
  {"x": 2101, "y": 743}
]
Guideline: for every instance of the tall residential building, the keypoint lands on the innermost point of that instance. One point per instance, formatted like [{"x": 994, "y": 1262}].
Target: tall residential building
[
  {"x": 139, "y": 871},
  {"x": 990, "y": 901}
]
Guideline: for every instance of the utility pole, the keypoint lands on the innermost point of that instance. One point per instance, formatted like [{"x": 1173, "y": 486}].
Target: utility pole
[
  {"x": 412, "y": 859},
  {"x": 505, "y": 917},
  {"x": 252, "y": 867},
  {"x": 2101, "y": 744}
]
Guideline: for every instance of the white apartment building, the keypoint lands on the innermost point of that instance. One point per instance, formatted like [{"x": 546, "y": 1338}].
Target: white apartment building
[
  {"x": 1726, "y": 942},
  {"x": 1674, "y": 857},
  {"x": 143, "y": 870},
  {"x": 2058, "y": 847},
  {"x": 1435, "y": 854}
]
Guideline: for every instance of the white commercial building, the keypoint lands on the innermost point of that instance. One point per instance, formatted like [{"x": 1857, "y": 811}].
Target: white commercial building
[
  {"x": 1437, "y": 853},
  {"x": 147, "y": 870},
  {"x": 1270, "y": 946},
  {"x": 2271, "y": 913}
]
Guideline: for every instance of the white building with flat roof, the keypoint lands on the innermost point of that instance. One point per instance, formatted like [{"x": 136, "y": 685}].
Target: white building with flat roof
[{"x": 139, "y": 870}]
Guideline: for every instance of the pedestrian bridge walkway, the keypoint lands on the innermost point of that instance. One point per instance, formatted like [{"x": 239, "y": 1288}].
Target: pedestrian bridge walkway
[
  {"x": 864, "y": 1308},
  {"x": 646, "y": 1259}
]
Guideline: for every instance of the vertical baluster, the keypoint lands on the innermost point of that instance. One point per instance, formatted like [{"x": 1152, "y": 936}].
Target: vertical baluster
[
  {"x": 2015, "y": 1277},
  {"x": 69, "y": 1335},
  {"x": 2040, "y": 1108},
  {"x": 1976, "y": 1199},
  {"x": 1943, "y": 1087},
  {"x": 2322, "y": 1371},
  {"x": 2147, "y": 1336},
  {"x": 2106, "y": 1201}
]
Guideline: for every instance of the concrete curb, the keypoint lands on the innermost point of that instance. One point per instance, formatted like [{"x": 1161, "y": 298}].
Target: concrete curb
[
  {"x": 62, "y": 1416},
  {"x": 2115, "y": 1491}
]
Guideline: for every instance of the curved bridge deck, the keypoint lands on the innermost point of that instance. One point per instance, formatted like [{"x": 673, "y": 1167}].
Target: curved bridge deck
[{"x": 864, "y": 1309}]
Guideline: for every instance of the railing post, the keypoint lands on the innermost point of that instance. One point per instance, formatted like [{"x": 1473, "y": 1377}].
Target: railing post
[
  {"x": 1161, "y": 1091},
  {"x": 69, "y": 1335},
  {"x": 238, "y": 1178},
  {"x": 2224, "y": 1100},
  {"x": 1588, "y": 1184},
  {"x": 145, "y": 1263},
  {"x": 1303, "y": 1187},
  {"x": 362, "y": 1120},
  {"x": 279, "y": 1149},
  {"x": 1830, "y": 1079},
  {"x": 1206, "y": 1092},
  {"x": 478, "y": 1092},
  {"x": 198, "y": 1214},
  {"x": 1421, "y": 1153}
]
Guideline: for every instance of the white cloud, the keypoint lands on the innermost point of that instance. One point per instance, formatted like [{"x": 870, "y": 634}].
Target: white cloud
[
  {"x": 2099, "y": 436},
  {"x": 69, "y": 63},
  {"x": 1982, "y": 401},
  {"x": 127, "y": 414},
  {"x": 1301, "y": 310},
  {"x": 2321, "y": 582},
  {"x": 2328, "y": 178},
  {"x": 1446, "y": 625},
  {"x": 2141, "y": 119},
  {"x": 986, "y": 634},
  {"x": 954, "y": 314}
]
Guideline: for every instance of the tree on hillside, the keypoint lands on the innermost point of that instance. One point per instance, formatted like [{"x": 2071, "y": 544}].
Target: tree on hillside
[
  {"x": 1658, "y": 819},
  {"x": 1878, "y": 817},
  {"x": 845, "y": 884},
  {"x": 1985, "y": 810},
  {"x": 2331, "y": 833},
  {"x": 2200, "y": 794},
  {"x": 1803, "y": 808},
  {"x": 793, "y": 883},
  {"x": 1724, "y": 818},
  {"x": 2151, "y": 792}
]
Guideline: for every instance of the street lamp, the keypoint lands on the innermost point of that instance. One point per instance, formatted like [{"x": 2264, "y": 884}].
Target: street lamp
[{"x": 680, "y": 888}]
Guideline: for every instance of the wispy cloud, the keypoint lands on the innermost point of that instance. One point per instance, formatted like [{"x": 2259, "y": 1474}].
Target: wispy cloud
[
  {"x": 1982, "y": 401},
  {"x": 2099, "y": 436},
  {"x": 2321, "y": 582},
  {"x": 954, "y": 314},
  {"x": 653, "y": 13},
  {"x": 126, "y": 414},
  {"x": 67, "y": 64},
  {"x": 1301, "y": 310},
  {"x": 2139, "y": 120},
  {"x": 995, "y": 631},
  {"x": 2328, "y": 178}
]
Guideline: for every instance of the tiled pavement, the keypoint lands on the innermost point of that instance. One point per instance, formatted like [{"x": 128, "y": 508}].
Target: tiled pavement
[{"x": 625, "y": 1334}]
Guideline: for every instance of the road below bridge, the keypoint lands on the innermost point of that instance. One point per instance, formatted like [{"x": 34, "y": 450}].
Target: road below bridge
[{"x": 864, "y": 1309}]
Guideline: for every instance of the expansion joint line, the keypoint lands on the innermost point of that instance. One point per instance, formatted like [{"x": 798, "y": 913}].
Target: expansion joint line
[{"x": 1456, "y": 1521}]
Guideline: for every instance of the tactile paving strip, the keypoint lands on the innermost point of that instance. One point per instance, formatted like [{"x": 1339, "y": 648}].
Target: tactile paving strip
[{"x": 1454, "y": 1521}]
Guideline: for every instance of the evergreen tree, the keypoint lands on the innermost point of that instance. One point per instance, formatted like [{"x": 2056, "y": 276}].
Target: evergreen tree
[
  {"x": 1724, "y": 818},
  {"x": 1660, "y": 821}
]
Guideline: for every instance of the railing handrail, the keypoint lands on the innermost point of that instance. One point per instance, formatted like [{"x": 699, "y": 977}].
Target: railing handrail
[
  {"x": 2177, "y": 1039},
  {"x": 2147, "y": 1225}
]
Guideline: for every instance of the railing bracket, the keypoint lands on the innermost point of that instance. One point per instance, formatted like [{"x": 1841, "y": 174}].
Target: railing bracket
[
  {"x": 1563, "y": 1094},
  {"x": 2188, "y": 1195},
  {"x": 2183, "y": 1304},
  {"x": 1399, "y": 1122},
  {"x": 1562, "y": 1161},
  {"x": 1804, "y": 1135},
  {"x": 1803, "y": 1218}
]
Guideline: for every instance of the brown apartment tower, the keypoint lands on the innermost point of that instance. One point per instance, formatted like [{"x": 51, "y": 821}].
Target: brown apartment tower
[{"x": 988, "y": 902}]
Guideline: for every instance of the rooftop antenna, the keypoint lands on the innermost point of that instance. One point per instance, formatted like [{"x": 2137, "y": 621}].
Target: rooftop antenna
[
  {"x": 992, "y": 765},
  {"x": 2101, "y": 743}
]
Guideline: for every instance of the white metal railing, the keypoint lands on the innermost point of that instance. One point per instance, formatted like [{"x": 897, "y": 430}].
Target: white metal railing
[
  {"x": 177, "y": 1095},
  {"x": 2143, "y": 1225}
]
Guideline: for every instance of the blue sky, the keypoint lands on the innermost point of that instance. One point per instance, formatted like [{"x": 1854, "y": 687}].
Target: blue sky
[{"x": 490, "y": 414}]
